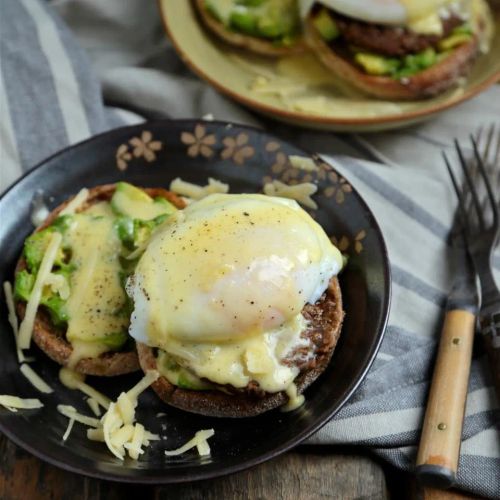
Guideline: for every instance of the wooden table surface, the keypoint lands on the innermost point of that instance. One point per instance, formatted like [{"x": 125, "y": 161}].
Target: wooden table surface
[{"x": 303, "y": 474}]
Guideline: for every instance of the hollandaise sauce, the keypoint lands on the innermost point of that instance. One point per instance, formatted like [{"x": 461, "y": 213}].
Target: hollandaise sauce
[
  {"x": 221, "y": 287},
  {"x": 84, "y": 294}
]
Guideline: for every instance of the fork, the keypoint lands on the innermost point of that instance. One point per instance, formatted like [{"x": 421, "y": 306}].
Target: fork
[{"x": 437, "y": 460}]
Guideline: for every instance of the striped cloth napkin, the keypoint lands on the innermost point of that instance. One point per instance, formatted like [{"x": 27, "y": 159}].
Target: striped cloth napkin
[{"x": 51, "y": 85}]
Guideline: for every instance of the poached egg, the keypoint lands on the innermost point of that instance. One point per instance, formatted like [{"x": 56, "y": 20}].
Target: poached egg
[
  {"x": 221, "y": 287},
  {"x": 418, "y": 14}
]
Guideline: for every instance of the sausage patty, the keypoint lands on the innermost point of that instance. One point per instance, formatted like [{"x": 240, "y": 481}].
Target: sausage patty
[{"x": 390, "y": 40}]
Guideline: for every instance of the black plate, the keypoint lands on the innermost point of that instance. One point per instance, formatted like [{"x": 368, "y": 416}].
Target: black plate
[{"x": 153, "y": 154}]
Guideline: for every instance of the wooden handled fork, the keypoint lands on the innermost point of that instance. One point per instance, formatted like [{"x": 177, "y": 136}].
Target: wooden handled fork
[{"x": 438, "y": 455}]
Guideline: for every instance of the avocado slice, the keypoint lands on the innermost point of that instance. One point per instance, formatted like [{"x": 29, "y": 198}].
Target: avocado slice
[
  {"x": 220, "y": 9},
  {"x": 454, "y": 40},
  {"x": 243, "y": 20},
  {"x": 35, "y": 247},
  {"x": 115, "y": 341},
  {"x": 134, "y": 232},
  {"x": 56, "y": 307},
  {"x": 178, "y": 375},
  {"x": 133, "y": 202},
  {"x": 23, "y": 285},
  {"x": 326, "y": 25},
  {"x": 377, "y": 65}
]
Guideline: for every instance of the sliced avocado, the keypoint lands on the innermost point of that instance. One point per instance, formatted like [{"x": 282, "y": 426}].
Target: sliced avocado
[
  {"x": 377, "y": 65},
  {"x": 133, "y": 202},
  {"x": 187, "y": 380},
  {"x": 413, "y": 63},
  {"x": 453, "y": 41},
  {"x": 326, "y": 25},
  {"x": 63, "y": 223},
  {"x": 124, "y": 227},
  {"x": 56, "y": 308},
  {"x": 178, "y": 375},
  {"x": 250, "y": 3},
  {"x": 114, "y": 341},
  {"x": 168, "y": 208},
  {"x": 243, "y": 20},
  {"x": 426, "y": 58},
  {"x": 35, "y": 246},
  {"x": 23, "y": 285},
  {"x": 220, "y": 9},
  {"x": 463, "y": 29},
  {"x": 269, "y": 27}
]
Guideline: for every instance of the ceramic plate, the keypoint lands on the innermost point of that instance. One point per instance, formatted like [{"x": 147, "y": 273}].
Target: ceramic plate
[
  {"x": 293, "y": 85},
  {"x": 153, "y": 154}
]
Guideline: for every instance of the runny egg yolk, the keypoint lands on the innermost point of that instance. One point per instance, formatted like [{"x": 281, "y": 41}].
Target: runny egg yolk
[{"x": 225, "y": 273}]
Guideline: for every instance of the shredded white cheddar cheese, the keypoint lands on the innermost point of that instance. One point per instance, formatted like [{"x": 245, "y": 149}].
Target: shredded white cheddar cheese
[
  {"x": 71, "y": 422},
  {"x": 22, "y": 404},
  {"x": 95, "y": 434},
  {"x": 75, "y": 203},
  {"x": 299, "y": 192},
  {"x": 75, "y": 380},
  {"x": 303, "y": 163},
  {"x": 71, "y": 412},
  {"x": 199, "y": 441},
  {"x": 12, "y": 318},
  {"x": 118, "y": 427},
  {"x": 26, "y": 327},
  {"x": 196, "y": 192},
  {"x": 134, "y": 446},
  {"x": 94, "y": 406},
  {"x": 35, "y": 379}
]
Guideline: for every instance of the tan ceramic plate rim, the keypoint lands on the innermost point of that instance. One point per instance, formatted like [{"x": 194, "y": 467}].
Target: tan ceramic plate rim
[{"x": 321, "y": 120}]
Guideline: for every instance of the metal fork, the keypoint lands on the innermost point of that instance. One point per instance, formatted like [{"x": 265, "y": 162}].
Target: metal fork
[
  {"x": 438, "y": 454},
  {"x": 481, "y": 226}
]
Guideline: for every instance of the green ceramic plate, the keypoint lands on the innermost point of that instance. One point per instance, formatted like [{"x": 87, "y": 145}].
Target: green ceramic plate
[{"x": 298, "y": 89}]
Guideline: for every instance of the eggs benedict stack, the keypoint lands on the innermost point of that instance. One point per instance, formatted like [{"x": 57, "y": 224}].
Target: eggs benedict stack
[
  {"x": 236, "y": 304},
  {"x": 398, "y": 49},
  {"x": 75, "y": 307},
  {"x": 266, "y": 27}
]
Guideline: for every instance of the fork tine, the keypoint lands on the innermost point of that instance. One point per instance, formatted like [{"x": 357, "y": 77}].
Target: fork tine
[
  {"x": 489, "y": 139},
  {"x": 496, "y": 154},
  {"x": 461, "y": 201},
  {"x": 486, "y": 181},
  {"x": 468, "y": 178}
]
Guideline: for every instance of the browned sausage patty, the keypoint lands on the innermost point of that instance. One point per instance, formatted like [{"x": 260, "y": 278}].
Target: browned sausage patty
[{"x": 390, "y": 40}]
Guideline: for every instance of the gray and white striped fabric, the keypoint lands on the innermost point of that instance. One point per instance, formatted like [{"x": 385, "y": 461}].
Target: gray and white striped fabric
[{"x": 52, "y": 83}]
